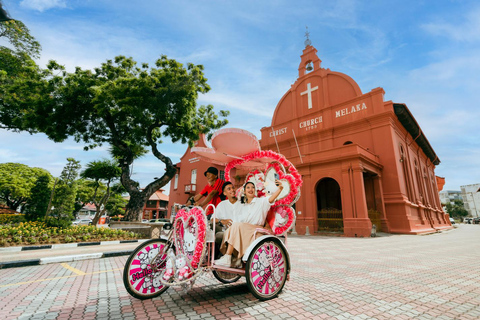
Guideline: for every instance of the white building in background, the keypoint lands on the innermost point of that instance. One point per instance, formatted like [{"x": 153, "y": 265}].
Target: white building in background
[
  {"x": 449, "y": 196},
  {"x": 471, "y": 199}
]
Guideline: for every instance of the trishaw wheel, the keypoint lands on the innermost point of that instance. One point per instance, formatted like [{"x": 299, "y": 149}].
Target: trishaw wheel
[
  {"x": 267, "y": 269},
  {"x": 226, "y": 277},
  {"x": 139, "y": 277}
]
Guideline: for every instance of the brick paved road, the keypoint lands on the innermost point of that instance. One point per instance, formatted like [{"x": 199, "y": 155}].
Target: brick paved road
[{"x": 390, "y": 277}]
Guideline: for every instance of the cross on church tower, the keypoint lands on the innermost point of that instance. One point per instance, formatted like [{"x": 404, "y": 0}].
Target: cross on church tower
[{"x": 308, "y": 92}]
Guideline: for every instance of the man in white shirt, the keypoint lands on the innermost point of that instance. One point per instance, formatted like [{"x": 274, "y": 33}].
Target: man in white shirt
[{"x": 225, "y": 212}]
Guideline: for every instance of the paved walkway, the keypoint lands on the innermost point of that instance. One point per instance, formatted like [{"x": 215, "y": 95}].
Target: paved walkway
[{"x": 392, "y": 277}]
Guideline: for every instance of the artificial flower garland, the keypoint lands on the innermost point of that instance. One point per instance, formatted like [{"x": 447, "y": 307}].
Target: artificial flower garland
[
  {"x": 284, "y": 210},
  {"x": 184, "y": 215},
  {"x": 295, "y": 179}
]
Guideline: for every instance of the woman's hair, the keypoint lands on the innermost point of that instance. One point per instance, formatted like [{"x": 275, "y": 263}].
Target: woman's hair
[
  {"x": 243, "y": 199},
  {"x": 222, "y": 196}
]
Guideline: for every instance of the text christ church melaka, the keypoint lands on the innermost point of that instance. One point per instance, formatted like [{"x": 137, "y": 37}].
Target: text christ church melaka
[{"x": 364, "y": 161}]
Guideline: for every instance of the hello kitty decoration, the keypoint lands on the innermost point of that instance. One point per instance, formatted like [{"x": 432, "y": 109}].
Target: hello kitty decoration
[
  {"x": 183, "y": 270},
  {"x": 190, "y": 240},
  {"x": 284, "y": 219}
]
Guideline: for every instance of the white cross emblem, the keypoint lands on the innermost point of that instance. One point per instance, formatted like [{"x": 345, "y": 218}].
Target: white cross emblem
[{"x": 309, "y": 93}]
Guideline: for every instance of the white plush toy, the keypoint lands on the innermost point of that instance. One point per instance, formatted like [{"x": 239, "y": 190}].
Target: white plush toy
[
  {"x": 182, "y": 267},
  {"x": 168, "y": 269},
  {"x": 270, "y": 187}
]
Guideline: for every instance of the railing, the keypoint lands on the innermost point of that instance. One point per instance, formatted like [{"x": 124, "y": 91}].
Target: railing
[
  {"x": 190, "y": 188},
  {"x": 330, "y": 220}
]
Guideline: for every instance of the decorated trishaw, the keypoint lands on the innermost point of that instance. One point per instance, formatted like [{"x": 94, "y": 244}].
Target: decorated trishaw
[{"x": 188, "y": 249}]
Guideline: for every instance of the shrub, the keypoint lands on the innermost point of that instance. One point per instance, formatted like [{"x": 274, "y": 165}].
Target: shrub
[
  {"x": 38, "y": 232},
  {"x": 12, "y": 218},
  {"x": 58, "y": 223}
]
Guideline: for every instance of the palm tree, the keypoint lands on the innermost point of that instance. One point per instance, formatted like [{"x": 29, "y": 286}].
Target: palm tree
[{"x": 104, "y": 170}]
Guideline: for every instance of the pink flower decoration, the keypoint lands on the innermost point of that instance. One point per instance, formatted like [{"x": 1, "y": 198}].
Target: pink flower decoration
[{"x": 185, "y": 216}]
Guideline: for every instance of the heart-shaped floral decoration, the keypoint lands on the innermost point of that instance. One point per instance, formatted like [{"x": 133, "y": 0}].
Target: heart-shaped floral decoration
[
  {"x": 282, "y": 166},
  {"x": 270, "y": 176},
  {"x": 190, "y": 228},
  {"x": 291, "y": 187}
]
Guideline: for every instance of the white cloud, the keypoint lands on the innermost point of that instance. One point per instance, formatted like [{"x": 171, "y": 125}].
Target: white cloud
[
  {"x": 465, "y": 28},
  {"x": 8, "y": 155},
  {"x": 42, "y": 5}
]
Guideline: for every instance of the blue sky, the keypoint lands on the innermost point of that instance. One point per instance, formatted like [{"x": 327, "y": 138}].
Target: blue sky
[{"x": 422, "y": 53}]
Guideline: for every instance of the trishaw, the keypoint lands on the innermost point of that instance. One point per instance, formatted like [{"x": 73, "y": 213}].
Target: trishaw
[{"x": 188, "y": 249}]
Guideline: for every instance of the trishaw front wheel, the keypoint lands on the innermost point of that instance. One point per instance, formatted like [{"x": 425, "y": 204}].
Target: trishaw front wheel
[
  {"x": 267, "y": 269},
  {"x": 141, "y": 275}
]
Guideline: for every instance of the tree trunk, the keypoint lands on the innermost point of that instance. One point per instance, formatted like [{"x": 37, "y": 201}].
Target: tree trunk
[{"x": 134, "y": 209}]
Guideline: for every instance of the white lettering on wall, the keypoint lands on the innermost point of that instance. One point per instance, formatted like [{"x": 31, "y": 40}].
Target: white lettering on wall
[
  {"x": 310, "y": 123},
  {"x": 192, "y": 160},
  {"x": 278, "y": 132},
  {"x": 352, "y": 109}
]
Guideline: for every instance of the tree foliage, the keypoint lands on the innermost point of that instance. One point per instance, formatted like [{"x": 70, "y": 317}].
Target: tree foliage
[
  {"x": 17, "y": 34},
  {"x": 16, "y": 183},
  {"x": 132, "y": 109},
  {"x": 37, "y": 204},
  {"x": 101, "y": 171},
  {"x": 66, "y": 191},
  {"x": 22, "y": 82},
  {"x": 457, "y": 209}
]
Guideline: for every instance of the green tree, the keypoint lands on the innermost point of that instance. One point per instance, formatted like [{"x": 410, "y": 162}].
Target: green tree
[
  {"x": 457, "y": 209},
  {"x": 37, "y": 204},
  {"x": 116, "y": 203},
  {"x": 66, "y": 191},
  {"x": 18, "y": 36},
  {"x": 132, "y": 109},
  {"x": 101, "y": 171},
  {"x": 22, "y": 82},
  {"x": 16, "y": 183}
]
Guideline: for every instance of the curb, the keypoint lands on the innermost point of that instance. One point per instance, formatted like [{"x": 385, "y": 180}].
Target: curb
[
  {"x": 68, "y": 245},
  {"x": 48, "y": 260},
  {"x": 69, "y": 258}
]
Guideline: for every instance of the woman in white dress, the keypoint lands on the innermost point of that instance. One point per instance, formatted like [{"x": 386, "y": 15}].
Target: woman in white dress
[{"x": 252, "y": 211}]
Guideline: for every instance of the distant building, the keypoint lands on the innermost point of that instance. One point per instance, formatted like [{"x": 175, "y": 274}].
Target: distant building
[
  {"x": 156, "y": 206},
  {"x": 471, "y": 199},
  {"x": 449, "y": 196},
  {"x": 190, "y": 178},
  {"x": 87, "y": 211}
]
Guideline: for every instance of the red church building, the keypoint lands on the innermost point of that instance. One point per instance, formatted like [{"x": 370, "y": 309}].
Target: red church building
[{"x": 364, "y": 161}]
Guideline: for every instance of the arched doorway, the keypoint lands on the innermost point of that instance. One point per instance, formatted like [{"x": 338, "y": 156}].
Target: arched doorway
[{"x": 329, "y": 205}]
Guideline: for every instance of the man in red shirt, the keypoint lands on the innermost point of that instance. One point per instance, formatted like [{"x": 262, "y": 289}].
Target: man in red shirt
[{"x": 211, "y": 191}]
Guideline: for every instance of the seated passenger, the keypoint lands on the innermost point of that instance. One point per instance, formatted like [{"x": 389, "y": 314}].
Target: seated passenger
[
  {"x": 252, "y": 211},
  {"x": 224, "y": 213}
]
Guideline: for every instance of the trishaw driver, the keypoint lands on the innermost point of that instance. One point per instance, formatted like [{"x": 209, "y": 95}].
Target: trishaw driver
[{"x": 211, "y": 191}]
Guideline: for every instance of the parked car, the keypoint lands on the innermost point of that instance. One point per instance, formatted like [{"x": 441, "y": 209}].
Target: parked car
[
  {"x": 161, "y": 220},
  {"x": 144, "y": 220},
  {"x": 82, "y": 222},
  {"x": 452, "y": 221},
  {"x": 467, "y": 220},
  {"x": 476, "y": 220}
]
